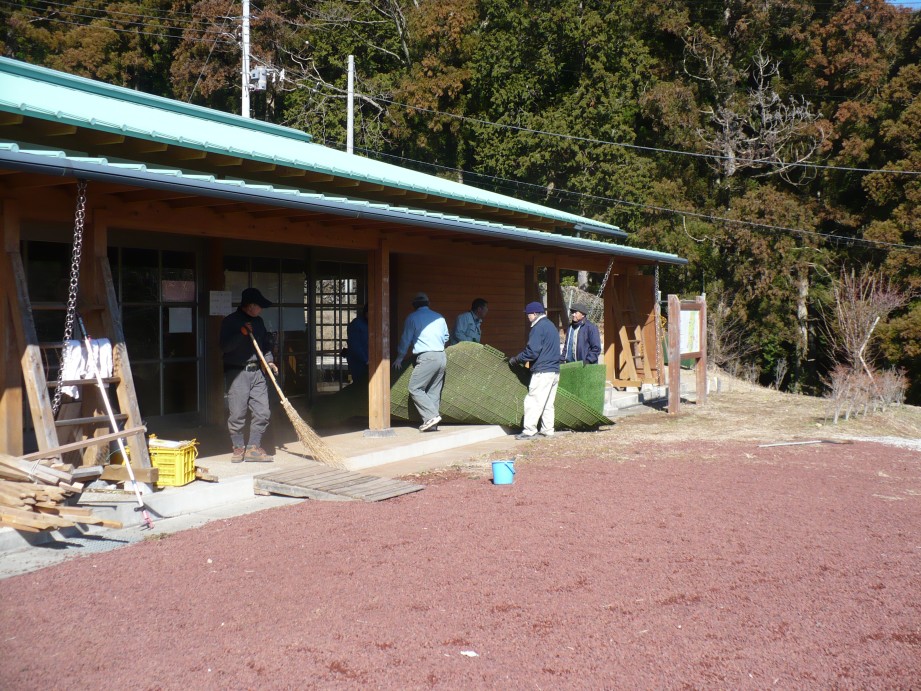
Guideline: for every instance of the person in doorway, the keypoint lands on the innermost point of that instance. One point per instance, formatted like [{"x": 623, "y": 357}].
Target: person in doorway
[
  {"x": 426, "y": 332},
  {"x": 583, "y": 342},
  {"x": 543, "y": 352},
  {"x": 357, "y": 346},
  {"x": 243, "y": 377},
  {"x": 468, "y": 325}
]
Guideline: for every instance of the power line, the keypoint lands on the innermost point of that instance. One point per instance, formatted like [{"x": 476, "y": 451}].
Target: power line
[
  {"x": 164, "y": 33},
  {"x": 589, "y": 140},
  {"x": 662, "y": 209}
]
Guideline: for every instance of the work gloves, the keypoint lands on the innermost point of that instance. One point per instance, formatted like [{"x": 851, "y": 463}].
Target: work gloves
[{"x": 513, "y": 361}]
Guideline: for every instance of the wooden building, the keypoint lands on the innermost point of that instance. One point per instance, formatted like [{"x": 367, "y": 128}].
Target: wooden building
[{"x": 183, "y": 204}]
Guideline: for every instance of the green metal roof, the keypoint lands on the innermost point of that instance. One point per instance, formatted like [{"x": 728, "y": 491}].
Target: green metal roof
[
  {"x": 61, "y": 164},
  {"x": 50, "y": 95}
]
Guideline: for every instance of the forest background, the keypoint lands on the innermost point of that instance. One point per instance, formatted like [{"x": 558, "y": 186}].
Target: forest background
[{"x": 776, "y": 144}]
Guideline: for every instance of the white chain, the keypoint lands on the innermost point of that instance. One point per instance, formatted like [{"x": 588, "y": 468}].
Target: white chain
[{"x": 79, "y": 221}]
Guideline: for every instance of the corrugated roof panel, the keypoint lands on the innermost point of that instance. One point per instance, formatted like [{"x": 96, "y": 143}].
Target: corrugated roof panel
[
  {"x": 41, "y": 92},
  {"x": 58, "y": 163}
]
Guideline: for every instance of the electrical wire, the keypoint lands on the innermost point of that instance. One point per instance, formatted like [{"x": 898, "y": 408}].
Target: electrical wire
[
  {"x": 660, "y": 209},
  {"x": 653, "y": 149}
]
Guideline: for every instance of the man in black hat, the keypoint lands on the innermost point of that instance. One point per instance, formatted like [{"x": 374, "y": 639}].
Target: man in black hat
[
  {"x": 543, "y": 352},
  {"x": 243, "y": 377},
  {"x": 583, "y": 342}
]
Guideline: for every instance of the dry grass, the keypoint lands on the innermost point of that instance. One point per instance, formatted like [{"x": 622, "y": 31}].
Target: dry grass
[{"x": 744, "y": 412}]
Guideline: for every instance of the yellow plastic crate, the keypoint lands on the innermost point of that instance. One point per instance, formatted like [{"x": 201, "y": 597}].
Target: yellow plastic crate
[{"x": 175, "y": 459}]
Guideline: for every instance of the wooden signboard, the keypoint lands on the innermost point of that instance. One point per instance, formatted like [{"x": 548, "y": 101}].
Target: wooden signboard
[{"x": 687, "y": 338}]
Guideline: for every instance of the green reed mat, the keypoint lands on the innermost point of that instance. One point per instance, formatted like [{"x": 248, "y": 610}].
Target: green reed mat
[
  {"x": 585, "y": 382},
  {"x": 480, "y": 389}
]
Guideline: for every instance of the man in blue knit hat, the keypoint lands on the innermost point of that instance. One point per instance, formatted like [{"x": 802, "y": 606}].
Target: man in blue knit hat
[{"x": 543, "y": 352}]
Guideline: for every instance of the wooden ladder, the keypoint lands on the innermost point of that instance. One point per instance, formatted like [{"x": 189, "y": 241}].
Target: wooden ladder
[
  {"x": 635, "y": 365},
  {"x": 86, "y": 417}
]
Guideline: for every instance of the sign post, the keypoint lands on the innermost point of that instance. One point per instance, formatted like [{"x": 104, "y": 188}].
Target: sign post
[{"x": 687, "y": 338}]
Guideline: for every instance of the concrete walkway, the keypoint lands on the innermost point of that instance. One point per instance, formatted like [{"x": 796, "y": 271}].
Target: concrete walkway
[{"x": 407, "y": 452}]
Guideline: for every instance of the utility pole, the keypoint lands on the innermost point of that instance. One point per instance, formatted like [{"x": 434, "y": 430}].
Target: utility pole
[
  {"x": 350, "y": 120},
  {"x": 244, "y": 109}
]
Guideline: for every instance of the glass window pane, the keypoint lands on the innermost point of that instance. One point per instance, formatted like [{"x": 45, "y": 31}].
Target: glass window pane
[
  {"x": 294, "y": 288},
  {"x": 142, "y": 332},
  {"x": 48, "y": 271},
  {"x": 178, "y": 279},
  {"x": 179, "y": 332},
  {"x": 180, "y": 387},
  {"x": 147, "y": 386},
  {"x": 140, "y": 276},
  {"x": 296, "y": 377}
]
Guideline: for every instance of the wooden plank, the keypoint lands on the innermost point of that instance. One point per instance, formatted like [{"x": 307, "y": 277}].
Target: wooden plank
[
  {"x": 127, "y": 397},
  {"x": 119, "y": 473},
  {"x": 348, "y": 483},
  {"x": 294, "y": 491},
  {"x": 77, "y": 445},
  {"x": 311, "y": 472},
  {"x": 394, "y": 492},
  {"x": 13, "y": 275},
  {"x": 382, "y": 487},
  {"x": 92, "y": 421}
]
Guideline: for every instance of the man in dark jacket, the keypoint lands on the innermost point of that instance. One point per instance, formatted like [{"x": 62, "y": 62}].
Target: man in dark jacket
[
  {"x": 583, "y": 342},
  {"x": 543, "y": 352},
  {"x": 243, "y": 376}
]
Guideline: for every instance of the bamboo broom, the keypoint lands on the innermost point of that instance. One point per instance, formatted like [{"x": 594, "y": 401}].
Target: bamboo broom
[{"x": 310, "y": 439}]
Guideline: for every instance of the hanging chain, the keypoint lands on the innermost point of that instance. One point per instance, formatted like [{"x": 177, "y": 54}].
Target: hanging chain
[
  {"x": 600, "y": 298},
  {"x": 79, "y": 221},
  {"x": 657, "y": 297}
]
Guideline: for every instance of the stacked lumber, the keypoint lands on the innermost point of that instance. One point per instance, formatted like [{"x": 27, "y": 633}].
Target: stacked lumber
[{"x": 33, "y": 496}]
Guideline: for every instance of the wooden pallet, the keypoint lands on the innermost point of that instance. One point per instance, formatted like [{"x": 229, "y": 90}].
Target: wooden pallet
[{"x": 318, "y": 481}]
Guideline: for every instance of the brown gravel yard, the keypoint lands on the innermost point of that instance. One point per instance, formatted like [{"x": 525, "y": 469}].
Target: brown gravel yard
[{"x": 662, "y": 553}]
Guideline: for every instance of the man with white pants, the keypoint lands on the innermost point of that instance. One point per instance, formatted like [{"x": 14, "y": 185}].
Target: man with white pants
[{"x": 543, "y": 352}]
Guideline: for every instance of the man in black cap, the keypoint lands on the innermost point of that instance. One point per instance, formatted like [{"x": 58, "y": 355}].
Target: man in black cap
[
  {"x": 583, "y": 342},
  {"x": 543, "y": 352},
  {"x": 243, "y": 376}
]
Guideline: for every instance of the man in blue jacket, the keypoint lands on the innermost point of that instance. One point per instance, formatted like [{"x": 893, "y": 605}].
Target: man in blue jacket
[
  {"x": 583, "y": 342},
  {"x": 543, "y": 352}
]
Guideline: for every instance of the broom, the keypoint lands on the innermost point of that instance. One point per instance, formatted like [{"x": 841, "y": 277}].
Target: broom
[{"x": 311, "y": 441}]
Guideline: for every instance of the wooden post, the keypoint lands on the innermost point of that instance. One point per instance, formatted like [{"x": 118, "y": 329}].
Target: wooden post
[
  {"x": 379, "y": 341},
  {"x": 555, "y": 297},
  {"x": 701, "y": 367},
  {"x": 214, "y": 364},
  {"x": 674, "y": 355},
  {"x": 11, "y": 419},
  {"x": 611, "y": 328}
]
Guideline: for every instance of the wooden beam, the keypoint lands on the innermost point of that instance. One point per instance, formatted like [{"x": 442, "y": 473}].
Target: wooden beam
[
  {"x": 182, "y": 154},
  {"x": 10, "y": 119},
  {"x": 611, "y": 326},
  {"x": 103, "y": 138},
  {"x": 51, "y": 128},
  {"x": 674, "y": 355}
]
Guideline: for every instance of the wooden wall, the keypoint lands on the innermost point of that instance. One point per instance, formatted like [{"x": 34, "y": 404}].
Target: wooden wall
[{"x": 453, "y": 282}]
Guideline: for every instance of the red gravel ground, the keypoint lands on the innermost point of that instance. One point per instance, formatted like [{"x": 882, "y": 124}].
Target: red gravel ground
[{"x": 702, "y": 565}]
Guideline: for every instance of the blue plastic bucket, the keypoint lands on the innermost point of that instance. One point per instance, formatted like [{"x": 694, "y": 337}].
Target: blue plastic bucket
[{"x": 503, "y": 472}]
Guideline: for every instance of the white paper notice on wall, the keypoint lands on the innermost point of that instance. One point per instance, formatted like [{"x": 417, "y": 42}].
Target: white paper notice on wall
[
  {"x": 180, "y": 320},
  {"x": 689, "y": 341},
  {"x": 220, "y": 303}
]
